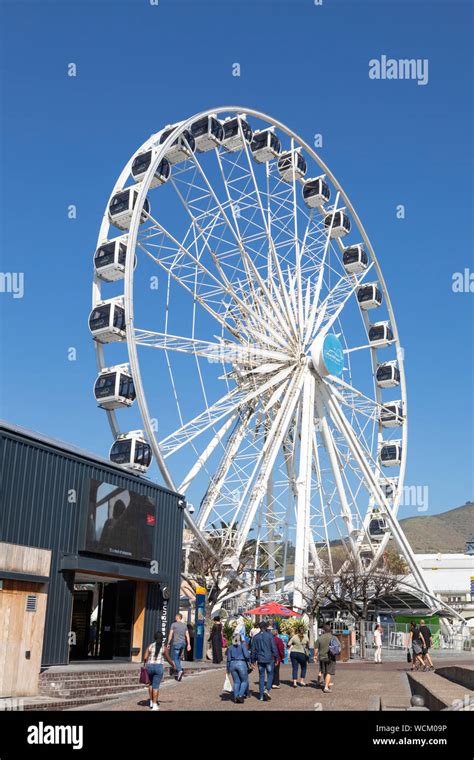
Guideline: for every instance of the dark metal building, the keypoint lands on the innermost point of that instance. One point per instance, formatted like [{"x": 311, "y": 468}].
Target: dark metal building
[{"x": 115, "y": 541}]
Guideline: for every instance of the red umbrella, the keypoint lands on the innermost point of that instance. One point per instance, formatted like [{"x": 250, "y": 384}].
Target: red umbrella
[{"x": 273, "y": 608}]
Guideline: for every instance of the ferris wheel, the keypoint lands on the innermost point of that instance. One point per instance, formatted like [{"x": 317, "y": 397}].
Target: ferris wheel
[{"x": 247, "y": 344}]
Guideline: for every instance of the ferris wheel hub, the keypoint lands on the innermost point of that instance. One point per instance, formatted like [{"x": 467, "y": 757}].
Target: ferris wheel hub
[{"x": 327, "y": 355}]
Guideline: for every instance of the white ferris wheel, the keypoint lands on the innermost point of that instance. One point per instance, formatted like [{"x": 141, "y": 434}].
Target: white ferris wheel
[{"x": 246, "y": 341}]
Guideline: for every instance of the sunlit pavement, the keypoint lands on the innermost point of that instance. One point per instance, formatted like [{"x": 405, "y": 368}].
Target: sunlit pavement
[{"x": 357, "y": 686}]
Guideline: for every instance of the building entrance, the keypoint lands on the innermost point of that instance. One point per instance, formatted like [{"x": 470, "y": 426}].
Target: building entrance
[{"x": 102, "y": 619}]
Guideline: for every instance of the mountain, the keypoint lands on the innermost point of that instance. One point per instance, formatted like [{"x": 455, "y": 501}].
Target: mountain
[{"x": 445, "y": 532}]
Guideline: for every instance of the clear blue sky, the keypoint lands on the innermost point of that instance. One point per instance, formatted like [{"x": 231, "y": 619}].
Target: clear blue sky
[{"x": 64, "y": 140}]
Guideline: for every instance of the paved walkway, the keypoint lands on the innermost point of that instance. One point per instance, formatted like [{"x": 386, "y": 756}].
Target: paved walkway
[{"x": 357, "y": 686}]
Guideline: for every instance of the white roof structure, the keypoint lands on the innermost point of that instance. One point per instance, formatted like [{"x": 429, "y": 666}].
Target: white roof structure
[{"x": 448, "y": 573}]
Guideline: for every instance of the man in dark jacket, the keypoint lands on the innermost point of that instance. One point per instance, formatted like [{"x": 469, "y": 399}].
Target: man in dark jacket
[{"x": 264, "y": 653}]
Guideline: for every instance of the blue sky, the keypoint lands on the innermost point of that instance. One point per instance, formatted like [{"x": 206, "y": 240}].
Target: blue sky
[{"x": 64, "y": 141}]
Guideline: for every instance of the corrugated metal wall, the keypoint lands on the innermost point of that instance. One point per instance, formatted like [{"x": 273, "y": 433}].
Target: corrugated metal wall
[{"x": 36, "y": 510}]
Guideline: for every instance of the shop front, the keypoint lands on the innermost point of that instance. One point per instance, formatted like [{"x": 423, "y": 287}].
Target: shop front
[{"x": 113, "y": 541}]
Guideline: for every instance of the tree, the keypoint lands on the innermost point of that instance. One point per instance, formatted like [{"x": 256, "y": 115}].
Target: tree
[
  {"x": 207, "y": 568},
  {"x": 395, "y": 563},
  {"x": 355, "y": 590},
  {"x": 314, "y": 594}
]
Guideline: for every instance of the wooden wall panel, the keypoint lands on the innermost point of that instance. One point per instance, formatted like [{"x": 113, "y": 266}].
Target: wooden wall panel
[
  {"x": 139, "y": 618},
  {"x": 24, "y": 559},
  {"x": 21, "y": 631}
]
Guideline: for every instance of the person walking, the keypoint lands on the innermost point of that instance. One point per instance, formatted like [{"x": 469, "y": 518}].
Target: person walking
[
  {"x": 238, "y": 665},
  {"x": 179, "y": 635},
  {"x": 299, "y": 655},
  {"x": 189, "y": 653},
  {"x": 280, "y": 658},
  {"x": 378, "y": 644},
  {"x": 255, "y": 629},
  {"x": 417, "y": 643},
  {"x": 155, "y": 656},
  {"x": 323, "y": 649},
  {"x": 264, "y": 653},
  {"x": 215, "y": 639},
  {"x": 240, "y": 628},
  {"x": 428, "y": 643}
]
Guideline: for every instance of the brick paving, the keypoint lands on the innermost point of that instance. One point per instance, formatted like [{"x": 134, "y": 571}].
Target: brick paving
[{"x": 357, "y": 686}]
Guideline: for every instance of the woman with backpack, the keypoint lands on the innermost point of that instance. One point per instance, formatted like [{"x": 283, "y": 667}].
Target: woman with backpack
[
  {"x": 327, "y": 648},
  {"x": 299, "y": 655},
  {"x": 155, "y": 656}
]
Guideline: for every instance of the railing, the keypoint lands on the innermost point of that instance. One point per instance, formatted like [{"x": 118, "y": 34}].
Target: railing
[{"x": 396, "y": 638}]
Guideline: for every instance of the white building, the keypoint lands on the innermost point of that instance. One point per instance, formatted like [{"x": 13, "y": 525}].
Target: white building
[{"x": 449, "y": 576}]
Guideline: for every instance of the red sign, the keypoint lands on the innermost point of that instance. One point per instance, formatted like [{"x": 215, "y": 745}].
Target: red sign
[{"x": 150, "y": 520}]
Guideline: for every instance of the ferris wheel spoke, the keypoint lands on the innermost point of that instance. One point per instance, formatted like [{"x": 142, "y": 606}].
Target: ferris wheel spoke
[
  {"x": 275, "y": 314},
  {"x": 299, "y": 282},
  {"x": 230, "y": 452},
  {"x": 352, "y": 398},
  {"x": 303, "y": 486},
  {"x": 206, "y": 454},
  {"x": 376, "y": 491},
  {"x": 237, "y": 397},
  {"x": 229, "y": 290},
  {"x": 322, "y": 500},
  {"x": 209, "y": 417},
  {"x": 278, "y": 288},
  {"x": 318, "y": 309},
  {"x": 243, "y": 253},
  {"x": 223, "y": 285},
  {"x": 258, "y": 483},
  {"x": 221, "y": 351},
  {"x": 336, "y": 300},
  {"x": 331, "y": 449},
  {"x": 202, "y": 301}
]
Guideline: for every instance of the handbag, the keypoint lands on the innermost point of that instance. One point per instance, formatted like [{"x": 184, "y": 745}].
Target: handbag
[
  {"x": 408, "y": 655},
  {"x": 227, "y": 685},
  {"x": 144, "y": 677}
]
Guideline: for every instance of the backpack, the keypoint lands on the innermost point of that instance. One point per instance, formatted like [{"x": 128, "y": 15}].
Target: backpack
[{"x": 334, "y": 647}]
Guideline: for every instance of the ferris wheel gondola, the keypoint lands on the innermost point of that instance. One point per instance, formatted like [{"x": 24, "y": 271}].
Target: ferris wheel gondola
[
  {"x": 237, "y": 133},
  {"x": 107, "y": 321},
  {"x": 181, "y": 148},
  {"x": 291, "y": 164},
  {"x": 114, "y": 388},
  {"x": 380, "y": 334},
  {"x": 141, "y": 164},
  {"x": 121, "y": 208},
  {"x": 355, "y": 259},
  {"x": 316, "y": 192},
  {"x": 131, "y": 450},
  {"x": 337, "y": 223}
]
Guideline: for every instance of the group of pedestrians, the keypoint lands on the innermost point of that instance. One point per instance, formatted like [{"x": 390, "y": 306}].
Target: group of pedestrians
[
  {"x": 267, "y": 652},
  {"x": 421, "y": 642}
]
